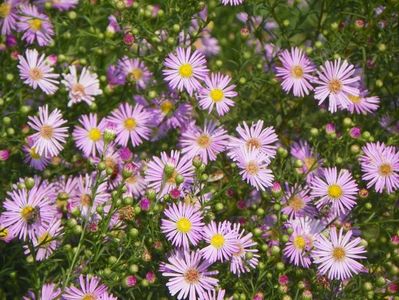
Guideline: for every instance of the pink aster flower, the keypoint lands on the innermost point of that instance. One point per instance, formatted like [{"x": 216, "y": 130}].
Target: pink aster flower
[
  {"x": 50, "y": 136},
  {"x": 298, "y": 203},
  {"x": 131, "y": 124},
  {"x": 183, "y": 225},
  {"x": 253, "y": 168},
  {"x": 207, "y": 142},
  {"x": 136, "y": 183},
  {"x": 232, "y": 2},
  {"x": 46, "y": 239},
  {"x": 337, "y": 255},
  {"x": 300, "y": 245},
  {"x": 217, "y": 93},
  {"x": 107, "y": 296},
  {"x": 168, "y": 172},
  {"x": 311, "y": 163},
  {"x": 135, "y": 71},
  {"x": 62, "y": 5},
  {"x": 188, "y": 275},
  {"x": 27, "y": 210},
  {"x": 36, "y": 72},
  {"x": 8, "y": 16},
  {"x": 49, "y": 292},
  {"x": 90, "y": 288},
  {"x": 339, "y": 190},
  {"x": 362, "y": 104},
  {"x": 221, "y": 241},
  {"x": 255, "y": 137},
  {"x": 36, "y": 161},
  {"x": 89, "y": 137},
  {"x": 296, "y": 72},
  {"x": 82, "y": 88},
  {"x": 336, "y": 81},
  {"x": 35, "y": 26},
  {"x": 380, "y": 167},
  {"x": 185, "y": 70},
  {"x": 84, "y": 199},
  {"x": 6, "y": 234},
  {"x": 240, "y": 263}
]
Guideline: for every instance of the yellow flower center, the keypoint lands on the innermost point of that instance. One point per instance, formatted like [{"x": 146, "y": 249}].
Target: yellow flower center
[
  {"x": 252, "y": 168},
  {"x": 136, "y": 74},
  {"x": 131, "y": 180},
  {"x": 183, "y": 225},
  {"x": 35, "y": 24},
  {"x": 94, "y": 134},
  {"x": 335, "y": 86},
  {"x": 172, "y": 178},
  {"x": 385, "y": 170},
  {"x": 36, "y": 74},
  {"x": 3, "y": 233},
  {"x": 297, "y": 72},
  {"x": 299, "y": 242},
  {"x": 338, "y": 253},
  {"x": 46, "y": 132},
  {"x": 85, "y": 200},
  {"x": 253, "y": 143},
  {"x": 204, "y": 141},
  {"x": 33, "y": 153},
  {"x": 354, "y": 99},
  {"x": 166, "y": 106},
  {"x": 79, "y": 88},
  {"x": 296, "y": 203},
  {"x": 130, "y": 124},
  {"x": 217, "y": 241},
  {"x": 45, "y": 239},
  {"x": 192, "y": 276},
  {"x": 89, "y": 297},
  {"x": 335, "y": 191},
  {"x": 5, "y": 10},
  {"x": 310, "y": 163},
  {"x": 240, "y": 251},
  {"x": 217, "y": 95},
  {"x": 29, "y": 214},
  {"x": 186, "y": 70}
]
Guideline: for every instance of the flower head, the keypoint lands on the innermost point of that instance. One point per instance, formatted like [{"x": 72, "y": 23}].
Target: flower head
[
  {"x": 89, "y": 137},
  {"x": 135, "y": 71},
  {"x": 8, "y": 16},
  {"x": 90, "y": 288}
]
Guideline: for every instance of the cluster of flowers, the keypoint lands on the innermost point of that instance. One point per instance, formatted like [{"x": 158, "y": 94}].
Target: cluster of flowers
[{"x": 337, "y": 80}]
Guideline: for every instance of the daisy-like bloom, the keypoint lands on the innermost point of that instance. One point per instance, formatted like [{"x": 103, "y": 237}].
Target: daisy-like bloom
[
  {"x": 222, "y": 241},
  {"x": 50, "y": 136},
  {"x": 336, "y": 189},
  {"x": 254, "y": 137},
  {"x": 50, "y": 292},
  {"x": 213, "y": 295},
  {"x": 363, "y": 104},
  {"x": 296, "y": 72},
  {"x": 207, "y": 142},
  {"x": 26, "y": 211},
  {"x": 232, "y": 2},
  {"x": 188, "y": 275},
  {"x": 380, "y": 167},
  {"x": 217, "y": 93},
  {"x": 8, "y": 16},
  {"x": 185, "y": 70},
  {"x": 90, "y": 288},
  {"x": 336, "y": 255},
  {"x": 5, "y": 234},
  {"x": 311, "y": 163},
  {"x": 131, "y": 124},
  {"x": 253, "y": 168},
  {"x": 135, "y": 71},
  {"x": 300, "y": 245},
  {"x": 298, "y": 203},
  {"x": 89, "y": 137},
  {"x": 240, "y": 263},
  {"x": 36, "y": 72},
  {"x": 35, "y": 26},
  {"x": 183, "y": 225},
  {"x": 135, "y": 183},
  {"x": 83, "y": 87},
  {"x": 84, "y": 199},
  {"x": 168, "y": 172},
  {"x": 36, "y": 161},
  {"x": 336, "y": 81},
  {"x": 45, "y": 240}
]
